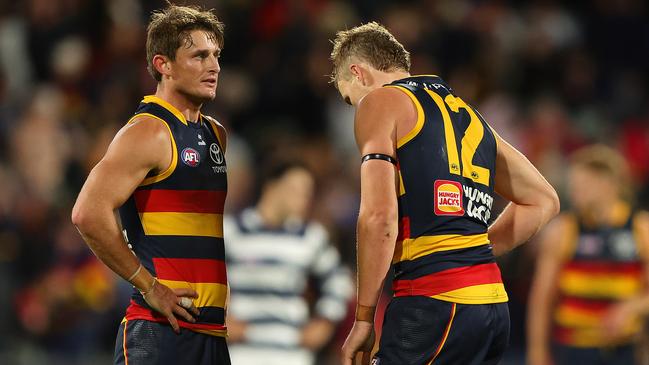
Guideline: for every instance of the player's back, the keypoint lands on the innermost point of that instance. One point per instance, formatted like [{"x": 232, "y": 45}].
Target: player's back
[{"x": 446, "y": 184}]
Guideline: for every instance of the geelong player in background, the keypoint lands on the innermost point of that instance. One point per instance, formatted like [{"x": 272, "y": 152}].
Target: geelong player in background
[
  {"x": 430, "y": 167},
  {"x": 165, "y": 171}
]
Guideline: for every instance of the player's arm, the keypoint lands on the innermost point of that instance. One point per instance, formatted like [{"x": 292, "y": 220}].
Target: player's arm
[
  {"x": 138, "y": 148},
  {"x": 552, "y": 249},
  {"x": 375, "y": 130},
  {"x": 533, "y": 200},
  {"x": 636, "y": 308}
]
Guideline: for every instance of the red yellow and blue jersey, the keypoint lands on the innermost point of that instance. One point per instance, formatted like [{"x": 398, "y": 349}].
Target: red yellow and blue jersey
[
  {"x": 446, "y": 167},
  {"x": 173, "y": 221},
  {"x": 602, "y": 267}
]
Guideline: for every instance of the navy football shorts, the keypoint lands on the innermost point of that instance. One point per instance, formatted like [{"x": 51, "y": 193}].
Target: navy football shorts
[
  {"x": 420, "y": 330},
  {"x": 141, "y": 342}
]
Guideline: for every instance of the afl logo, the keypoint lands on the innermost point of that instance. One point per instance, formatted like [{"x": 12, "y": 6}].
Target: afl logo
[
  {"x": 215, "y": 154},
  {"x": 190, "y": 157}
]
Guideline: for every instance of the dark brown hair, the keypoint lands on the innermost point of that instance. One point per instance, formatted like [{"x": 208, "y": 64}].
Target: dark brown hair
[
  {"x": 169, "y": 28},
  {"x": 371, "y": 43}
]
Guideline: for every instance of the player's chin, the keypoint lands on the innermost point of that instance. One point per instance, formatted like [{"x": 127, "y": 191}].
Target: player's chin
[{"x": 205, "y": 95}]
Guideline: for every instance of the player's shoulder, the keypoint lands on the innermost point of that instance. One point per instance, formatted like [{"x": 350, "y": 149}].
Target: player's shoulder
[
  {"x": 215, "y": 122},
  {"x": 145, "y": 127},
  {"x": 316, "y": 234},
  {"x": 385, "y": 99},
  {"x": 219, "y": 128},
  {"x": 382, "y": 105}
]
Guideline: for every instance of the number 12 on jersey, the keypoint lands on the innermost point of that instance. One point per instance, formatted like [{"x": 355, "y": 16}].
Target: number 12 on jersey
[{"x": 470, "y": 141}]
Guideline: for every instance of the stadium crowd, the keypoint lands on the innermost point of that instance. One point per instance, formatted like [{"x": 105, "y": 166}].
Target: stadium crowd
[{"x": 550, "y": 77}]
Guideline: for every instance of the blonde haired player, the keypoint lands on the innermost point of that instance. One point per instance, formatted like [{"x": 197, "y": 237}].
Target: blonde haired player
[{"x": 430, "y": 167}]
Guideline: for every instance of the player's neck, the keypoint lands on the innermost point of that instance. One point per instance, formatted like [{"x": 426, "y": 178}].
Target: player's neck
[
  {"x": 384, "y": 78},
  {"x": 186, "y": 107},
  {"x": 267, "y": 209},
  {"x": 606, "y": 213}
]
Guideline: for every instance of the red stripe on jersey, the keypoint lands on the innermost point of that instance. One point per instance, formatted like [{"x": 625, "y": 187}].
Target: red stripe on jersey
[
  {"x": 563, "y": 335},
  {"x": 404, "y": 229},
  {"x": 180, "y": 201},
  {"x": 605, "y": 267},
  {"x": 190, "y": 270},
  {"x": 136, "y": 311},
  {"x": 447, "y": 280},
  {"x": 586, "y": 305}
]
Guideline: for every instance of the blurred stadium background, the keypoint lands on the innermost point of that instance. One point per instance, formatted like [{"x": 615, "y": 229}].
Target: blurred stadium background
[{"x": 550, "y": 76}]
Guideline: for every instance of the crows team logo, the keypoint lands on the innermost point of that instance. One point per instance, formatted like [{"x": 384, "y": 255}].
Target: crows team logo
[
  {"x": 448, "y": 198},
  {"x": 190, "y": 157}
]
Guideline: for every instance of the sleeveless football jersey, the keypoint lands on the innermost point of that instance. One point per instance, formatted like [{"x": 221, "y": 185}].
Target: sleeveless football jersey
[
  {"x": 173, "y": 221},
  {"x": 446, "y": 168},
  {"x": 602, "y": 268}
]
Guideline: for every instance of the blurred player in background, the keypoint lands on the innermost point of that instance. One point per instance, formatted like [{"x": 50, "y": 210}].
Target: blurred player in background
[
  {"x": 430, "y": 167},
  {"x": 165, "y": 171},
  {"x": 590, "y": 288},
  {"x": 272, "y": 252}
]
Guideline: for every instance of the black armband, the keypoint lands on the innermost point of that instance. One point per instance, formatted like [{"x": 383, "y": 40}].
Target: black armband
[{"x": 379, "y": 156}]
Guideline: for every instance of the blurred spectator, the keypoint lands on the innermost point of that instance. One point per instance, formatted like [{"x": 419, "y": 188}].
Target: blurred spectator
[
  {"x": 551, "y": 75},
  {"x": 590, "y": 294},
  {"x": 271, "y": 251}
]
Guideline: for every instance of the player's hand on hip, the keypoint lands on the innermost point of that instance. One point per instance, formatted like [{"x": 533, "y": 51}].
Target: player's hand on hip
[
  {"x": 358, "y": 345},
  {"x": 172, "y": 302}
]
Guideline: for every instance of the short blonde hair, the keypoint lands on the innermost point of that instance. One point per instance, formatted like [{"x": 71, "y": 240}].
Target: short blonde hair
[
  {"x": 371, "y": 43},
  {"x": 606, "y": 161}
]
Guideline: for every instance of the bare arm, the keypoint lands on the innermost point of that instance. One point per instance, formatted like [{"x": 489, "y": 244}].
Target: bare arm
[
  {"x": 138, "y": 148},
  {"x": 377, "y": 220},
  {"x": 375, "y": 130},
  {"x": 552, "y": 247},
  {"x": 533, "y": 200}
]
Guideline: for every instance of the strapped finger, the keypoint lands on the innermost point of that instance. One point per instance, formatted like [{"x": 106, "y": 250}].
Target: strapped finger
[
  {"x": 194, "y": 310},
  {"x": 185, "y": 302}
]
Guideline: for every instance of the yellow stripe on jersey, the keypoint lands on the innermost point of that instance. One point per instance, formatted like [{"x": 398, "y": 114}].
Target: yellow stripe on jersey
[
  {"x": 605, "y": 285},
  {"x": 209, "y": 294},
  {"x": 216, "y": 130},
  {"x": 182, "y": 224},
  {"x": 172, "y": 109},
  {"x": 449, "y": 135},
  {"x": 574, "y": 317},
  {"x": 217, "y": 333},
  {"x": 410, "y": 249},
  {"x": 476, "y": 294},
  {"x": 174, "y": 153},
  {"x": 402, "y": 187},
  {"x": 420, "y": 117}
]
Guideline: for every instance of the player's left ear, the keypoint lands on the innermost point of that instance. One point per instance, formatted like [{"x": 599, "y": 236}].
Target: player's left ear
[{"x": 357, "y": 72}]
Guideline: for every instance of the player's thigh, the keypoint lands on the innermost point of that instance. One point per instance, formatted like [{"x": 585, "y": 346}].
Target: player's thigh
[{"x": 414, "y": 330}]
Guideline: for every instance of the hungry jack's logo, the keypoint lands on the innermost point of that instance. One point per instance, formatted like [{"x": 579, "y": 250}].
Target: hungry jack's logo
[{"x": 448, "y": 198}]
